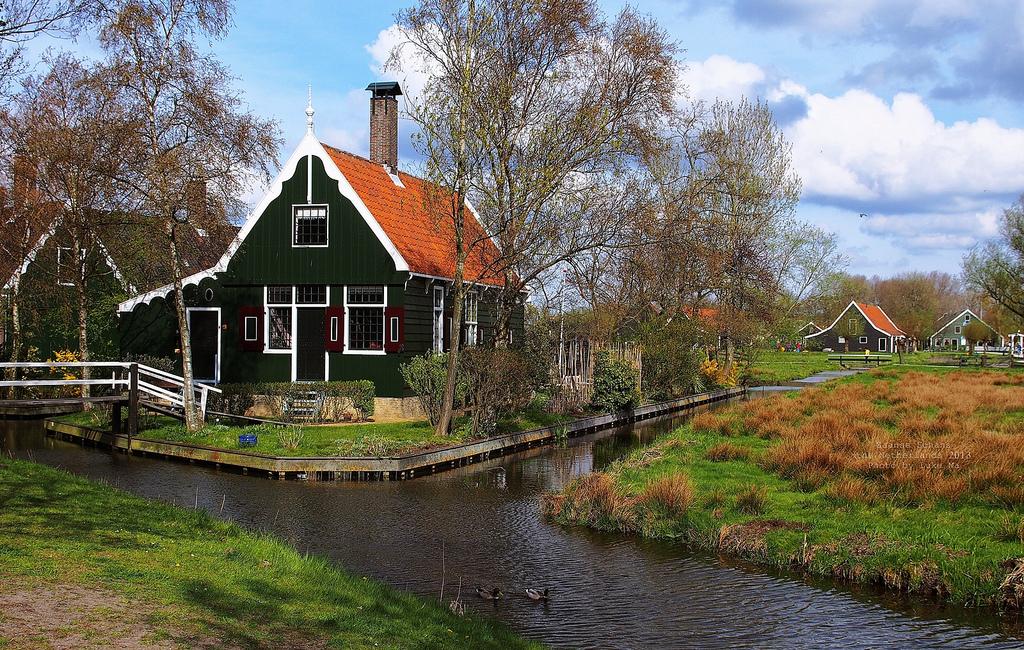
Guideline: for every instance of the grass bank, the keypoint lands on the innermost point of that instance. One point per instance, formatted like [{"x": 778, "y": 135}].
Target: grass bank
[
  {"x": 371, "y": 439},
  {"x": 905, "y": 478},
  {"x": 143, "y": 572},
  {"x": 770, "y": 367}
]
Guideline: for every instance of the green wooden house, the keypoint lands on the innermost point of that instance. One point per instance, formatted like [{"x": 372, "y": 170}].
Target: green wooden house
[
  {"x": 953, "y": 335},
  {"x": 342, "y": 271},
  {"x": 39, "y": 265}
]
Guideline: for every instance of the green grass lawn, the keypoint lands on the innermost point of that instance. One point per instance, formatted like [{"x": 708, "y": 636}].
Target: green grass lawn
[
  {"x": 183, "y": 576},
  {"x": 352, "y": 440},
  {"x": 771, "y": 367},
  {"x": 716, "y": 488}
]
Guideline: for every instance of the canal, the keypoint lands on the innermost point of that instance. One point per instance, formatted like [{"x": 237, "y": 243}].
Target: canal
[{"x": 482, "y": 524}]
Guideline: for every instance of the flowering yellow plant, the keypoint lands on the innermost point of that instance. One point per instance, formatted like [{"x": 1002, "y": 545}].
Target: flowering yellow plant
[{"x": 717, "y": 375}]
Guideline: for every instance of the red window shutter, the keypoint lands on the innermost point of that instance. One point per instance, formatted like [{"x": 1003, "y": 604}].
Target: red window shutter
[
  {"x": 248, "y": 318},
  {"x": 334, "y": 329},
  {"x": 394, "y": 329}
]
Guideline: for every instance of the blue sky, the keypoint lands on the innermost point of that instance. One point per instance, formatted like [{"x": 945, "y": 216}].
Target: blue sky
[{"x": 905, "y": 110}]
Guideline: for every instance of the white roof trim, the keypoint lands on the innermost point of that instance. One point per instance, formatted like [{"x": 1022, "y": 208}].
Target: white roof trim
[
  {"x": 853, "y": 303},
  {"x": 145, "y": 298},
  {"x": 113, "y": 267},
  {"x": 958, "y": 317},
  {"x": 43, "y": 238},
  {"x": 346, "y": 190},
  {"x": 309, "y": 146}
]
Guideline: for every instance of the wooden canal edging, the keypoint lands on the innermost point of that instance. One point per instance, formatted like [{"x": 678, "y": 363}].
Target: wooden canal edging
[{"x": 386, "y": 468}]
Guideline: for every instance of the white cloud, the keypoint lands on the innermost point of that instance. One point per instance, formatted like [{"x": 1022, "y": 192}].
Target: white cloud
[
  {"x": 858, "y": 146},
  {"x": 722, "y": 77},
  {"x": 412, "y": 72},
  {"x": 935, "y": 231}
]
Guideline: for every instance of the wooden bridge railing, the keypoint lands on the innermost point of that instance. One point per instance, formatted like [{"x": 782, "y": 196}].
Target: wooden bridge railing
[{"x": 135, "y": 378}]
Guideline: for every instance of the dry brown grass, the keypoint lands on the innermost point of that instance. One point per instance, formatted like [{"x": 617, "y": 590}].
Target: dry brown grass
[
  {"x": 924, "y": 437},
  {"x": 671, "y": 494},
  {"x": 723, "y": 424},
  {"x": 752, "y": 499},
  {"x": 726, "y": 451}
]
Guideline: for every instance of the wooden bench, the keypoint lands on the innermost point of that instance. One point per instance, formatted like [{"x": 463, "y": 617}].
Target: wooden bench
[{"x": 843, "y": 359}]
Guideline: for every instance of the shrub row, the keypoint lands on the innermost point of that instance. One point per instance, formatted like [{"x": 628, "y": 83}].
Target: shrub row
[{"x": 237, "y": 398}]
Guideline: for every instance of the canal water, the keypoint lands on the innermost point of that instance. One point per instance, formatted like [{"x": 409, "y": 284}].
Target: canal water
[{"x": 482, "y": 523}]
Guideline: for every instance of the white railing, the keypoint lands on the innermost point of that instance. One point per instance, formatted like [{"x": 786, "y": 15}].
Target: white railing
[{"x": 155, "y": 383}]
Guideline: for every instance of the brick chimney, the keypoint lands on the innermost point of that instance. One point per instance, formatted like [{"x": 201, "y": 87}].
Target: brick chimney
[{"x": 384, "y": 123}]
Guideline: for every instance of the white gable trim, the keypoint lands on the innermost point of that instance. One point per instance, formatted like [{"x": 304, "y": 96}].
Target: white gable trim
[
  {"x": 960, "y": 317},
  {"x": 12, "y": 282},
  {"x": 308, "y": 147},
  {"x": 853, "y": 303},
  {"x": 346, "y": 190}
]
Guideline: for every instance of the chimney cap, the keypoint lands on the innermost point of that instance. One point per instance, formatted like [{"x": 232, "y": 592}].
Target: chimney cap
[{"x": 385, "y": 88}]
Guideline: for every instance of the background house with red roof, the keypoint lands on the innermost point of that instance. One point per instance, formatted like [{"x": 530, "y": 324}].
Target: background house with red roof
[
  {"x": 342, "y": 271},
  {"x": 860, "y": 327}
]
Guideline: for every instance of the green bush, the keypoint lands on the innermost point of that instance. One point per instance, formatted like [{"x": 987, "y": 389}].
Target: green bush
[
  {"x": 671, "y": 364},
  {"x": 238, "y": 398},
  {"x": 615, "y": 385},
  {"x": 426, "y": 376}
]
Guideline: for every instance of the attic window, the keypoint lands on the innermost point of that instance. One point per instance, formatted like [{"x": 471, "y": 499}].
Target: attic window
[{"x": 309, "y": 225}]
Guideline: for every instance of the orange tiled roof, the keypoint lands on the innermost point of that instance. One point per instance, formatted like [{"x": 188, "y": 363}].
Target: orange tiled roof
[
  {"x": 880, "y": 320},
  {"x": 423, "y": 239}
]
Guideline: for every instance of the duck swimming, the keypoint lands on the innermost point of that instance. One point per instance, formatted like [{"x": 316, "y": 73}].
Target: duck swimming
[
  {"x": 493, "y": 594},
  {"x": 535, "y": 594}
]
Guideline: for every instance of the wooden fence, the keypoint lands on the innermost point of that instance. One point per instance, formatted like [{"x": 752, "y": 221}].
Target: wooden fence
[{"x": 574, "y": 368}]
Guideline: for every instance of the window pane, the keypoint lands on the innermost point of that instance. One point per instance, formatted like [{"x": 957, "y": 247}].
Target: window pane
[
  {"x": 365, "y": 328},
  {"x": 311, "y": 294},
  {"x": 279, "y": 295},
  {"x": 310, "y": 225},
  {"x": 250, "y": 328},
  {"x": 394, "y": 329},
  {"x": 280, "y": 328},
  {"x": 366, "y": 295},
  {"x": 471, "y": 307},
  {"x": 438, "y": 297}
]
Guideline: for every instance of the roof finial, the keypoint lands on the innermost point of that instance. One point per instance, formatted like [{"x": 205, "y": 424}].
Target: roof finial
[{"x": 309, "y": 111}]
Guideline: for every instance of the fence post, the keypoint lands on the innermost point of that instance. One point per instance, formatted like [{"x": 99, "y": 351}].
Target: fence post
[
  {"x": 202, "y": 401},
  {"x": 133, "y": 403}
]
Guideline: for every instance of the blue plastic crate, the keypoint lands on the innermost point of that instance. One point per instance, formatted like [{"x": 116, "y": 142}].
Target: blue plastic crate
[{"x": 247, "y": 440}]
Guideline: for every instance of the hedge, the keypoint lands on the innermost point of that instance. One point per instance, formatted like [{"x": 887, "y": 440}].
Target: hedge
[{"x": 237, "y": 398}]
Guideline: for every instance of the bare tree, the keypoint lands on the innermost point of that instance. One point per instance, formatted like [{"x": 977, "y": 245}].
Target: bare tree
[
  {"x": 25, "y": 220},
  {"x": 72, "y": 126},
  {"x": 446, "y": 37},
  {"x": 192, "y": 130},
  {"x": 23, "y": 20}
]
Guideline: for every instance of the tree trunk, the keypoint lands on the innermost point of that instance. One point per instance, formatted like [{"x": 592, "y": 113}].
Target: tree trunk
[
  {"x": 12, "y": 373},
  {"x": 730, "y": 355},
  {"x": 83, "y": 317},
  {"x": 193, "y": 419},
  {"x": 503, "y": 316}
]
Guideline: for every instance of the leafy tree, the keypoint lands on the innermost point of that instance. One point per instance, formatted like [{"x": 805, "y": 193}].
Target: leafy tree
[
  {"x": 976, "y": 333},
  {"x": 995, "y": 268}
]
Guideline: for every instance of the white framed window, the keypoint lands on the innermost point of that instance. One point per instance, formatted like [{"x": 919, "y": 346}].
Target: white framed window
[
  {"x": 65, "y": 266},
  {"x": 364, "y": 309},
  {"x": 280, "y": 300},
  {"x": 472, "y": 309},
  {"x": 309, "y": 226},
  {"x": 956, "y": 330},
  {"x": 842, "y": 339},
  {"x": 393, "y": 329},
  {"x": 863, "y": 340},
  {"x": 967, "y": 318},
  {"x": 881, "y": 345},
  {"x": 438, "y": 319},
  {"x": 853, "y": 325},
  {"x": 251, "y": 325}
]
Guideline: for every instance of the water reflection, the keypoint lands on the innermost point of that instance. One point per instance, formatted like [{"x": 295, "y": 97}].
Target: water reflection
[{"x": 483, "y": 522}]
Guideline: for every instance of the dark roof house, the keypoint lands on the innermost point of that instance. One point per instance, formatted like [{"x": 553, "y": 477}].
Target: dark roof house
[
  {"x": 860, "y": 327},
  {"x": 343, "y": 270}
]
